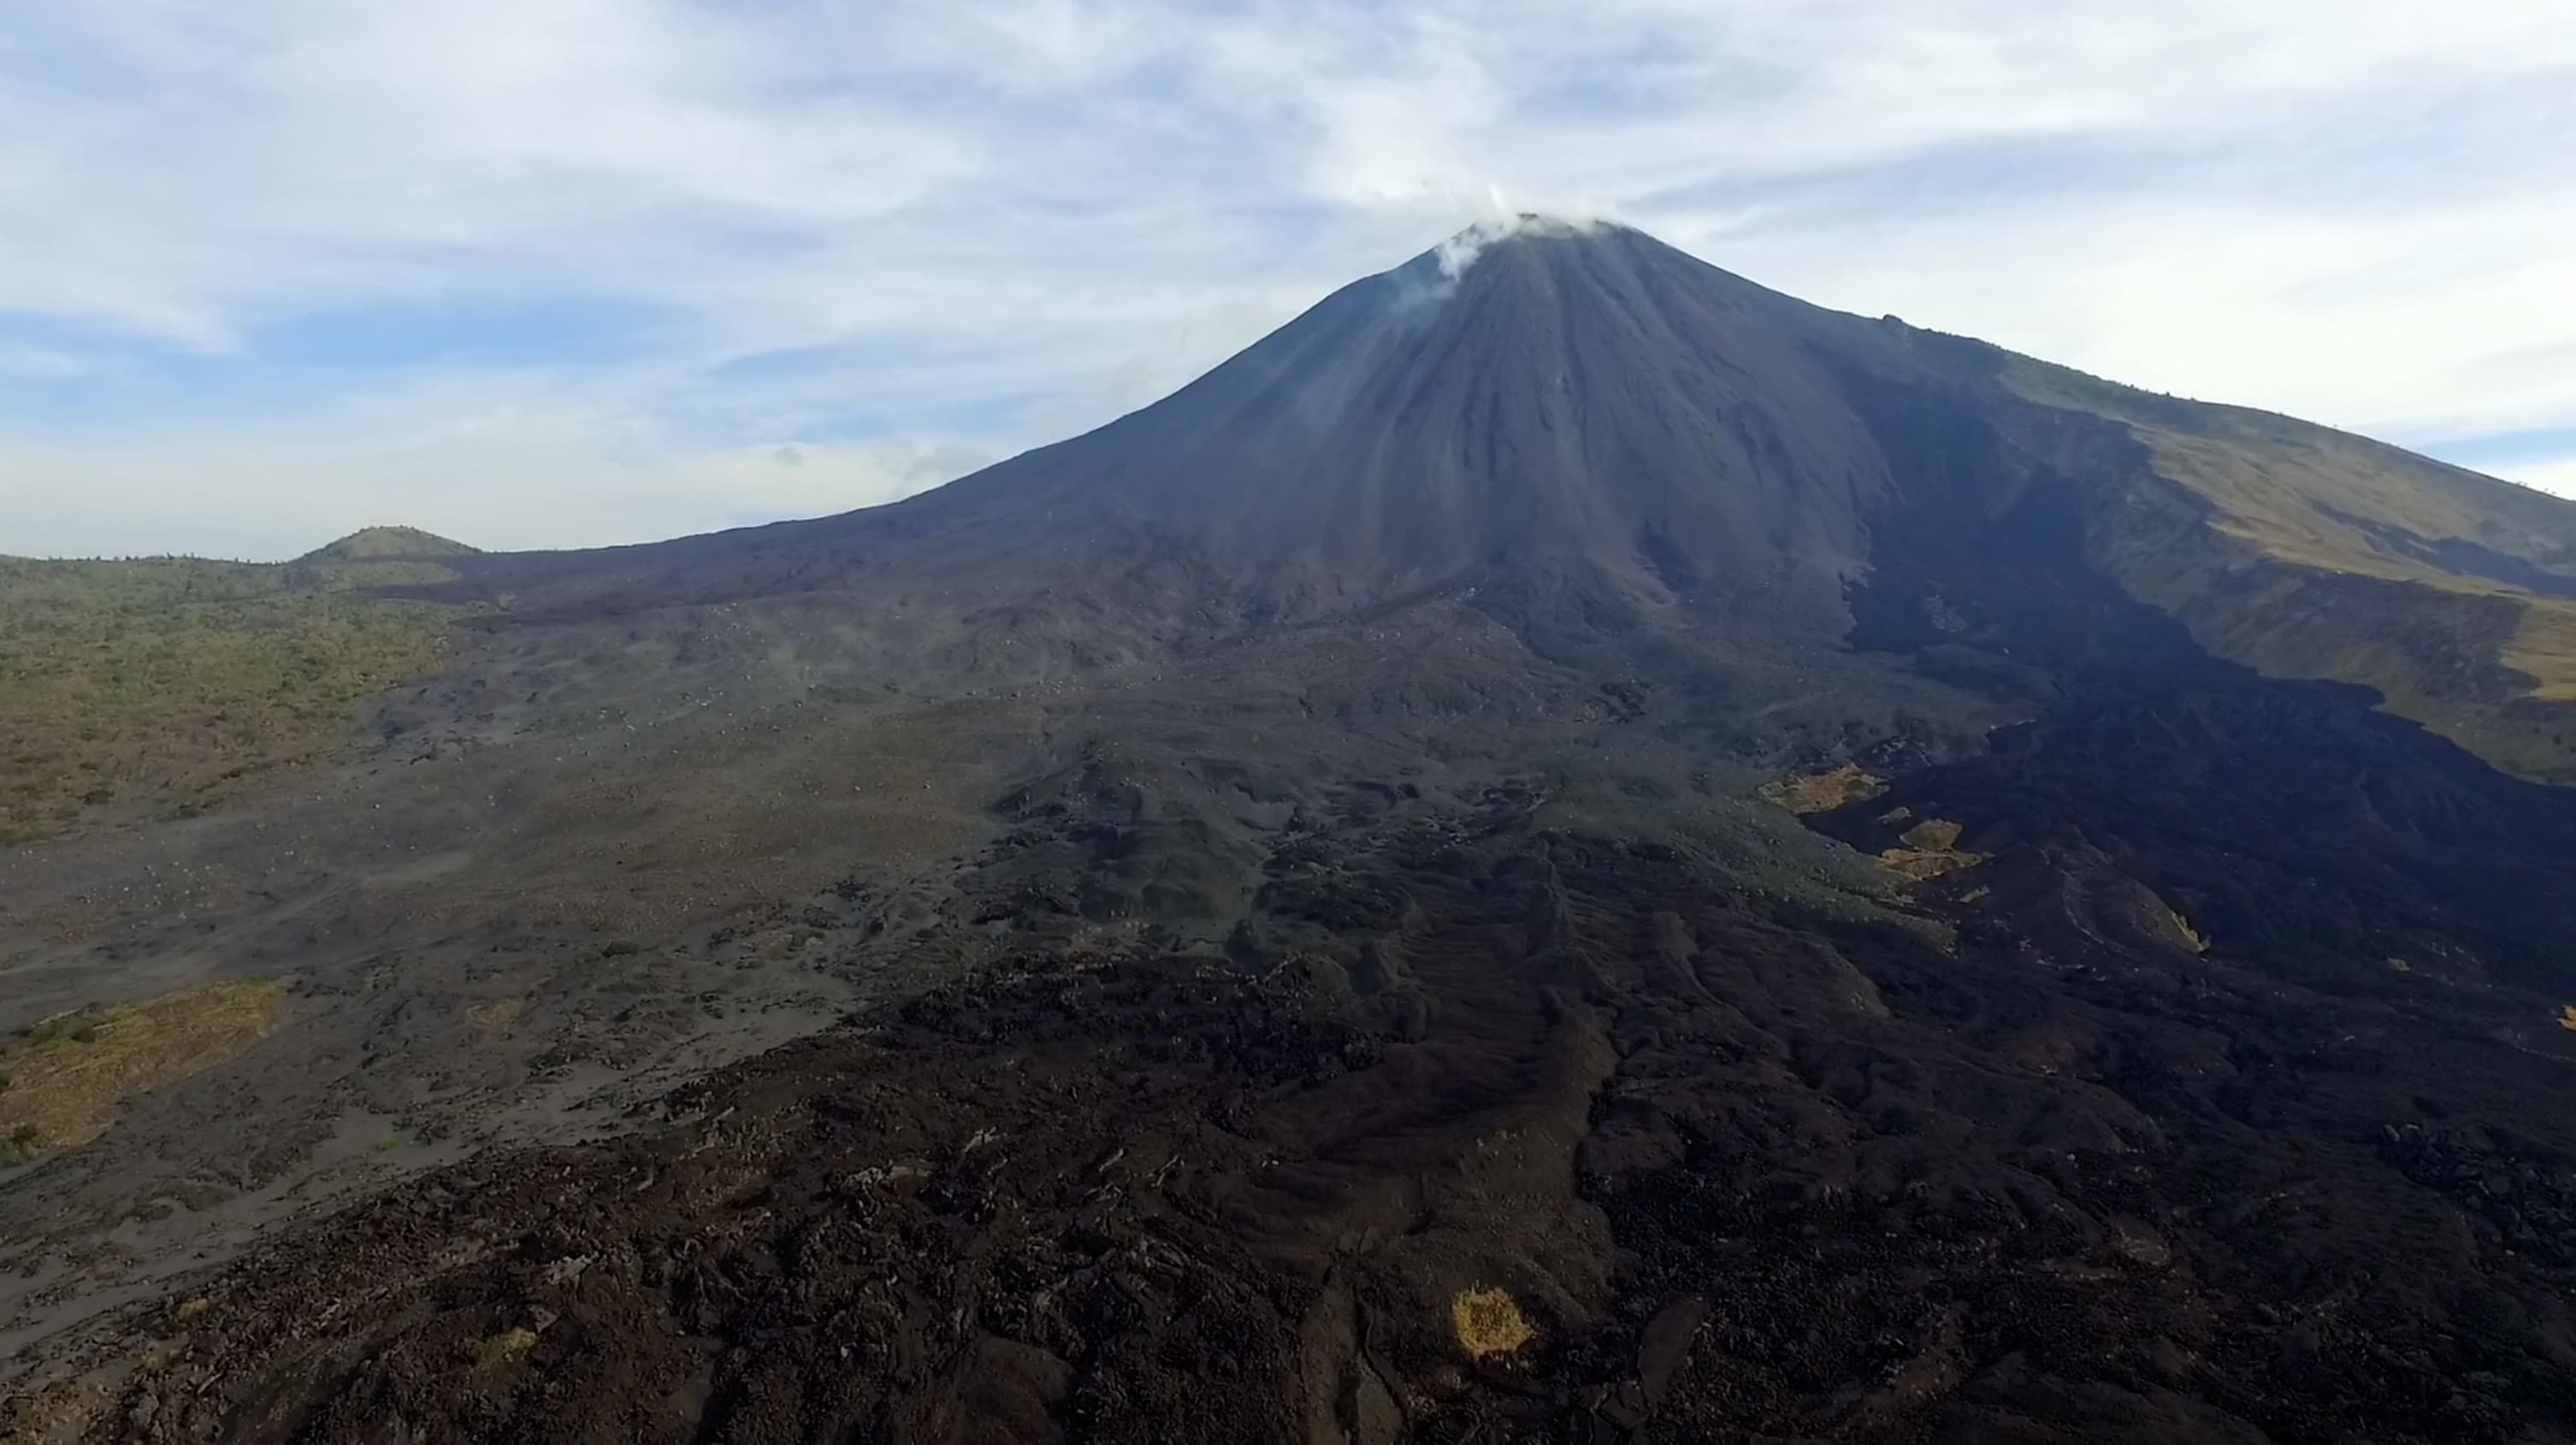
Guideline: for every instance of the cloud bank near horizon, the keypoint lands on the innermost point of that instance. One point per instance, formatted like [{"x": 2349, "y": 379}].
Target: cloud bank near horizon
[{"x": 573, "y": 272}]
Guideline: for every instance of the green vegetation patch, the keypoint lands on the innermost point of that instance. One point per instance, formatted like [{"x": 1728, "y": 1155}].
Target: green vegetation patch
[
  {"x": 174, "y": 682},
  {"x": 68, "y": 1073}
]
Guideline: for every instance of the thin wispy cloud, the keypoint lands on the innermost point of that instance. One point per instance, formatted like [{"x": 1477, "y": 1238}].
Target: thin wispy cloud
[{"x": 561, "y": 272}]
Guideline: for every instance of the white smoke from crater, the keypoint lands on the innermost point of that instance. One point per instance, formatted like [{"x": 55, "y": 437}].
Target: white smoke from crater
[
  {"x": 1460, "y": 251},
  {"x": 1454, "y": 257}
]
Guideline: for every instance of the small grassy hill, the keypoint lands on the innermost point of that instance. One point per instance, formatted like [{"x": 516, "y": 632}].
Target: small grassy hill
[
  {"x": 379, "y": 543},
  {"x": 378, "y": 557}
]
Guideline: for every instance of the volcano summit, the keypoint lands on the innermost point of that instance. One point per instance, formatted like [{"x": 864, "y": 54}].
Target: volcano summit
[{"x": 1566, "y": 848}]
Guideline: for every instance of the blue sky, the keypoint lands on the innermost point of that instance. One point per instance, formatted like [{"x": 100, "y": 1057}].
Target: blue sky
[{"x": 570, "y": 272}]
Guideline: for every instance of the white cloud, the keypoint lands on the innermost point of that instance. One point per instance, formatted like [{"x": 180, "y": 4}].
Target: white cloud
[
  {"x": 992, "y": 224},
  {"x": 19, "y": 362},
  {"x": 2558, "y": 476},
  {"x": 486, "y": 471},
  {"x": 2327, "y": 317}
]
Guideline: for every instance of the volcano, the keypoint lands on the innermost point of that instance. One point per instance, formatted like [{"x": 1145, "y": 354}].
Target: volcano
[
  {"x": 1566, "y": 848},
  {"x": 1553, "y": 397},
  {"x": 1581, "y": 418}
]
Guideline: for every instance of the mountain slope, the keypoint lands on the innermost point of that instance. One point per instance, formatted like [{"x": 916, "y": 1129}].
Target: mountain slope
[
  {"x": 2311, "y": 553},
  {"x": 1582, "y": 420},
  {"x": 1568, "y": 395},
  {"x": 1282, "y": 920}
]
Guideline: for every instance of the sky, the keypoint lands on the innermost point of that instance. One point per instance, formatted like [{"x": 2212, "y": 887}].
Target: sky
[{"x": 544, "y": 273}]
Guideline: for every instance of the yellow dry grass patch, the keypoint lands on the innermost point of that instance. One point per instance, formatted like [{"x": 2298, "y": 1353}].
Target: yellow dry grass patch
[
  {"x": 1824, "y": 792},
  {"x": 68, "y": 1074},
  {"x": 1928, "y": 850},
  {"x": 2159, "y": 911},
  {"x": 2311, "y": 501},
  {"x": 2198, "y": 940},
  {"x": 2544, "y": 648},
  {"x": 1489, "y": 1323},
  {"x": 2321, "y": 498},
  {"x": 507, "y": 1348}
]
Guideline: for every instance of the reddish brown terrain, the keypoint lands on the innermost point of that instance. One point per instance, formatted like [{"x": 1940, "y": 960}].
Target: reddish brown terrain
[{"x": 1568, "y": 849}]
